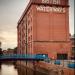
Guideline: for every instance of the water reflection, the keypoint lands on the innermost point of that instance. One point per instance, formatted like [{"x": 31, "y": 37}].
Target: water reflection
[
  {"x": 8, "y": 70},
  {"x": 28, "y": 71}
]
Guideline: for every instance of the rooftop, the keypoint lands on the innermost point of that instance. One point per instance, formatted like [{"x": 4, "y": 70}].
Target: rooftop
[{"x": 38, "y": 2}]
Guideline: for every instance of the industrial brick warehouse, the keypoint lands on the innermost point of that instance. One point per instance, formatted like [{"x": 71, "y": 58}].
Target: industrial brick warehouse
[{"x": 44, "y": 29}]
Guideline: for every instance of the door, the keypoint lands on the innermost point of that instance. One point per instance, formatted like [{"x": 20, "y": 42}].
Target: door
[{"x": 62, "y": 56}]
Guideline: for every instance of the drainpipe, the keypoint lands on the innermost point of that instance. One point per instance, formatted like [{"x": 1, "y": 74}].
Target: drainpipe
[{"x": 26, "y": 43}]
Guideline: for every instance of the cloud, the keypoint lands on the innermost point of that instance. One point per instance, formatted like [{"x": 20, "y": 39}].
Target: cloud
[
  {"x": 1, "y": 38},
  {"x": 8, "y": 39}
]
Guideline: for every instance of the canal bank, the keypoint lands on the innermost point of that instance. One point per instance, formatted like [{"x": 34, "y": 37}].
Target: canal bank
[{"x": 43, "y": 69}]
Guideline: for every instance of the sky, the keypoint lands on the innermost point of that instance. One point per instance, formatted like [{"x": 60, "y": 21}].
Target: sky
[{"x": 10, "y": 12}]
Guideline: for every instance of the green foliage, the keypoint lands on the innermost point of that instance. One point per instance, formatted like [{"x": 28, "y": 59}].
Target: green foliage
[{"x": 1, "y": 51}]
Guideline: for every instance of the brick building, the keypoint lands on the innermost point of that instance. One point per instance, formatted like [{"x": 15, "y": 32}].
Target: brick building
[
  {"x": 44, "y": 29},
  {"x": 8, "y": 52},
  {"x": 73, "y": 47}
]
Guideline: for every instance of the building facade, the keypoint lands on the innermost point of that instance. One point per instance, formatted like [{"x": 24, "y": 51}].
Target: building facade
[
  {"x": 73, "y": 47},
  {"x": 44, "y": 29}
]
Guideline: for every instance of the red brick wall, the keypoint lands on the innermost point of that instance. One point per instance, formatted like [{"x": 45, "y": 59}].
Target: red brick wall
[
  {"x": 51, "y": 32},
  {"x": 47, "y": 32}
]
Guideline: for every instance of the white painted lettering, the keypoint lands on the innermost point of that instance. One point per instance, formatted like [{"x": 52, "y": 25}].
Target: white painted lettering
[
  {"x": 56, "y": 1},
  {"x": 50, "y": 9},
  {"x": 51, "y": 1},
  {"x": 45, "y": 1}
]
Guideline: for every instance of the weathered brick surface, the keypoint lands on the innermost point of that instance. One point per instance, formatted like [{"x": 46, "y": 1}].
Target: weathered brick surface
[{"x": 44, "y": 32}]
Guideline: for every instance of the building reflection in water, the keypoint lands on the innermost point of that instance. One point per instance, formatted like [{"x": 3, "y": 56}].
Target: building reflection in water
[
  {"x": 0, "y": 65},
  {"x": 27, "y": 71},
  {"x": 9, "y": 69}
]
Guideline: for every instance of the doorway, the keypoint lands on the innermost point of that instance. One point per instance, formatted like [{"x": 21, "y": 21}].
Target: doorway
[{"x": 62, "y": 56}]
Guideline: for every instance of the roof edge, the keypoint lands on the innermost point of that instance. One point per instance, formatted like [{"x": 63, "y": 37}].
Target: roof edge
[{"x": 33, "y": 2}]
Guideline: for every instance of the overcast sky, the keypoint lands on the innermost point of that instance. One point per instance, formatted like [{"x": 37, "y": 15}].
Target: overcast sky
[{"x": 10, "y": 12}]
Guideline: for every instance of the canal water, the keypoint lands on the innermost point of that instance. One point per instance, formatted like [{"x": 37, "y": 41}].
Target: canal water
[{"x": 9, "y": 69}]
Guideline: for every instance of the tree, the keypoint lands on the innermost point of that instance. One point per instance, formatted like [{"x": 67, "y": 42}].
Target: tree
[
  {"x": 1, "y": 52},
  {"x": 15, "y": 50}
]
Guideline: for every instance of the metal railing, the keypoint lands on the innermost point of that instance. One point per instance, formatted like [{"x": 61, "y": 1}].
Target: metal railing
[
  {"x": 63, "y": 63},
  {"x": 24, "y": 57}
]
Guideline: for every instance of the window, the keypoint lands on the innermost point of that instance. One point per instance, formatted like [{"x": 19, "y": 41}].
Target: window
[
  {"x": 28, "y": 22},
  {"x": 28, "y": 45},
  {"x": 28, "y": 14},
  {"x": 62, "y": 56},
  {"x": 31, "y": 28},
  {"x": 28, "y": 30},
  {"x": 73, "y": 48},
  {"x": 31, "y": 19},
  {"x": 28, "y": 38},
  {"x": 31, "y": 37}
]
